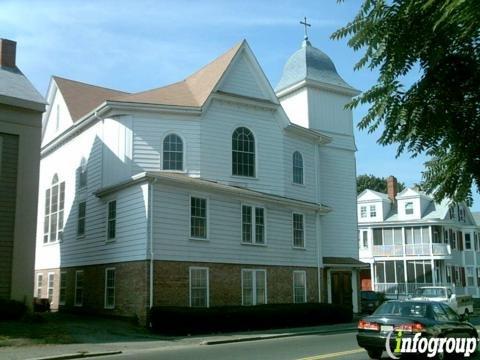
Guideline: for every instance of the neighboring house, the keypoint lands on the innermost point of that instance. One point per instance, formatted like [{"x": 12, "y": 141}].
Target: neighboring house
[
  {"x": 410, "y": 241},
  {"x": 21, "y": 108},
  {"x": 214, "y": 190}
]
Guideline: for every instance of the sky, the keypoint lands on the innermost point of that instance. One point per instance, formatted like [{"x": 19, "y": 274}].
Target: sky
[{"x": 139, "y": 45}]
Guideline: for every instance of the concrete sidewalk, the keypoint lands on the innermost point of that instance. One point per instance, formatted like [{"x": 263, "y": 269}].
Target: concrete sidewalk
[{"x": 72, "y": 351}]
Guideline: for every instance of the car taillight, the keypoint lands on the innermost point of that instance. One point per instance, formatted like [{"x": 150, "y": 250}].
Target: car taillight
[
  {"x": 411, "y": 327},
  {"x": 367, "y": 325}
]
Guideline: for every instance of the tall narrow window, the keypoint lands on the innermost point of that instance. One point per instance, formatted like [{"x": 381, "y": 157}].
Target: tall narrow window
[
  {"x": 254, "y": 285},
  {"x": 373, "y": 211},
  {"x": 198, "y": 218},
  {"x": 172, "y": 153},
  {"x": 112, "y": 220},
  {"x": 82, "y": 211},
  {"x": 109, "y": 288},
  {"x": 199, "y": 296},
  {"x": 54, "y": 207},
  {"x": 78, "y": 288},
  {"x": 39, "y": 285},
  {"x": 51, "y": 283},
  {"x": 63, "y": 288},
  {"x": 253, "y": 225},
  {"x": 243, "y": 152},
  {"x": 298, "y": 231},
  {"x": 299, "y": 287},
  {"x": 297, "y": 168},
  {"x": 82, "y": 174},
  {"x": 363, "y": 211}
]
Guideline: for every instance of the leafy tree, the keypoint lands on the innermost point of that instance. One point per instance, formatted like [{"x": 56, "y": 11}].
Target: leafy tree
[
  {"x": 375, "y": 183},
  {"x": 438, "y": 114}
]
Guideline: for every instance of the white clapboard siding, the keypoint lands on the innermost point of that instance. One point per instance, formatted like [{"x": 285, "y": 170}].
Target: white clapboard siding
[
  {"x": 171, "y": 231},
  {"x": 57, "y": 110}
]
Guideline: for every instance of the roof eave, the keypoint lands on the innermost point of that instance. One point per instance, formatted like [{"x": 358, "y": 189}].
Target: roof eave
[{"x": 349, "y": 91}]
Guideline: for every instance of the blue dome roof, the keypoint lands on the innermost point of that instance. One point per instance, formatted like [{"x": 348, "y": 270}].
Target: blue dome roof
[{"x": 310, "y": 63}]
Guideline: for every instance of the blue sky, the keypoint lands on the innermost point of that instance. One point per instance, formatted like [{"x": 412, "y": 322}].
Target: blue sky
[{"x": 137, "y": 45}]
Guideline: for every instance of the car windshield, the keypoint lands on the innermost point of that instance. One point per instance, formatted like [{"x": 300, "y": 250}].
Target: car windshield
[
  {"x": 402, "y": 309},
  {"x": 370, "y": 295},
  {"x": 430, "y": 292}
]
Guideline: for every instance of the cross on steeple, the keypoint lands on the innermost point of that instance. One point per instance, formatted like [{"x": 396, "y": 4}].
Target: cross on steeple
[{"x": 304, "y": 23}]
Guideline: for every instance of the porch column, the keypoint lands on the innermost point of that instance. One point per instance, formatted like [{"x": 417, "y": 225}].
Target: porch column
[{"x": 355, "y": 280}]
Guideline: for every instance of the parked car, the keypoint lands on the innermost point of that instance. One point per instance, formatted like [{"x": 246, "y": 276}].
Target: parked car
[
  {"x": 431, "y": 319},
  {"x": 462, "y": 304},
  {"x": 370, "y": 300}
]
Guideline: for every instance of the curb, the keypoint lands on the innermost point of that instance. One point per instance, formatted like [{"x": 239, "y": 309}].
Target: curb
[
  {"x": 268, "y": 337},
  {"x": 78, "y": 355}
]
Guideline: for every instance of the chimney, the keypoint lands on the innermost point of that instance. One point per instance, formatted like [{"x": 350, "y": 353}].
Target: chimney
[
  {"x": 8, "y": 49},
  {"x": 392, "y": 188}
]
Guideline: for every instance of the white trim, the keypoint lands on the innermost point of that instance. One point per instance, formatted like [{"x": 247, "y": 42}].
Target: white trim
[
  {"x": 63, "y": 277},
  {"x": 303, "y": 169},
  {"x": 50, "y": 286},
  {"x": 304, "y": 285},
  {"x": 253, "y": 225},
  {"x": 255, "y": 143},
  {"x": 39, "y": 287},
  {"x": 105, "y": 305},
  {"x": 107, "y": 240},
  {"x": 184, "y": 151},
  {"x": 207, "y": 214},
  {"x": 190, "y": 283},
  {"x": 75, "y": 300},
  {"x": 254, "y": 285},
  {"x": 304, "y": 231}
]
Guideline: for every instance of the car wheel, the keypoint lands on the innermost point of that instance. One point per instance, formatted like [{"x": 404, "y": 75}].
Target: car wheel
[{"x": 375, "y": 353}]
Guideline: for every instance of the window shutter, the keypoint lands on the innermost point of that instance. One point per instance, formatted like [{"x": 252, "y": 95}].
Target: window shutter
[
  {"x": 462, "y": 274},
  {"x": 460, "y": 240}
]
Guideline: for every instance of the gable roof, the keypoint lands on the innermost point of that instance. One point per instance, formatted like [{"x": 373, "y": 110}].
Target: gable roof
[
  {"x": 82, "y": 98},
  {"x": 379, "y": 195},
  {"x": 17, "y": 90}
]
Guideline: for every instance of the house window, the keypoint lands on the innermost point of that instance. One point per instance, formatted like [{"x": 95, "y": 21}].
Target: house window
[
  {"x": 475, "y": 240},
  {"x": 253, "y": 225},
  {"x": 243, "y": 152},
  {"x": 82, "y": 174},
  {"x": 365, "y": 238},
  {"x": 109, "y": 288},
  {"x": 468, "y": 242},
  {"x": 78, "y": 288},
  {"x": 173, "y": 153},
  {"x": 297, "y": 168},
  {"x": 458, "y": 280},
  {"x": 198, "y": 218},
  {"x": 63, "y": 288},
  {"x": 82, "y": 209},
  {"x": 254, "y": 285},
  {"x": 449, "y": 274},
  {"x": 199, "y": 296},
  {"x": 39, "y": 285},
  {"x": 298, "y": 230},
  {"x": 363, "y": 211},
  {"x": 54, "y": 204},
  {"x": 299, "y": 287},
  {"x": 470, "y": 276},
  {"x": 409, "y": 208},
  {"x": 373, "y": 211},
  {"x": 111, "y": 219},
  {"x": 50, "y": 286}
]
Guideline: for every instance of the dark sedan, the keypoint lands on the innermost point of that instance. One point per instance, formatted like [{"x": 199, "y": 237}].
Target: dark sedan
[{"x": 430, "y": 319}]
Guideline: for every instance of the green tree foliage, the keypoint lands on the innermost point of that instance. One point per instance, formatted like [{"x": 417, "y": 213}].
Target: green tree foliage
[
  {"x": 375, "y": 183},
  {"x": 437, "y": 115}
]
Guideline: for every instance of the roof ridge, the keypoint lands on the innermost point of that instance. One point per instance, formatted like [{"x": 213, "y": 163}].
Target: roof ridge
[{"x": 87, "y": 84}]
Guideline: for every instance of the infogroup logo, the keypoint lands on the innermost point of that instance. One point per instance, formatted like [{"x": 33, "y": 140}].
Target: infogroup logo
[{"x": 429, "y": 346}]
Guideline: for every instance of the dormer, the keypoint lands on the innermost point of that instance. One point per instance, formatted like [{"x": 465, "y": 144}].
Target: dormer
[
  {"x": 372, "y": 206},
  {"x": 411, "y": 204}
]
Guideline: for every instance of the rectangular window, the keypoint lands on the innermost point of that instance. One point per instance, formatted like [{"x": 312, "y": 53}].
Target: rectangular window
[
  {"x": 449, "y": 274},
  {"x": 409, "y": 208},
  {"x": 111, "y": 220},
  {"x": 468, "y": 242},
  {"x": 377, "y": 237},
  {"x": 363, "y": 211},
  {"x": 198, "y": 218},
  {"x": 199, "y": 292},
  {"x": 254, "y": 289},
  {"x": 470, "y": 276},
  {"x": 373, "y": 211},
  {"x": 253, "y": 227},
  {"x": 53, "y": 217},
  {"x": 82, "y": 210},
  {"x": 78, "y": 288},
  {"x": 63, "y": 288},
  {"x": 298, "y": 230},
  {"x": 109, "y": 288},
  {"x": 39, "y": 285},
  {"x": 50, "y": 286},
  {"x": 299, "y": 287},
  {"x": 380, "y": 272},
  {"x": 365, "y": 238}
]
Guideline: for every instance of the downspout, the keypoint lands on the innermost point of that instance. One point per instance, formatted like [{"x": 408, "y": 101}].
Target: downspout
[
  {"x": 317, "y": 223},
  {"x": 150, "y": 234},
  {"x": 317, "y": 219}
]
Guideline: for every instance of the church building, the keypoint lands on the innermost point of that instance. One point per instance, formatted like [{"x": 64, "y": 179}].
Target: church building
[{"x": 215, "y": 190}]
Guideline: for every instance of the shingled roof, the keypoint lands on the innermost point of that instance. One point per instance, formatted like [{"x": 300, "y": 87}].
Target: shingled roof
[{"x": 193, "y": 91}]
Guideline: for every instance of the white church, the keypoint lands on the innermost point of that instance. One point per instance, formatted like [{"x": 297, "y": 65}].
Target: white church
[{"x": 215, "y": 190}]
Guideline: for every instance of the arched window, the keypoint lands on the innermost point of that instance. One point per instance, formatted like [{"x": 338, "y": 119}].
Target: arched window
[
  {"x": 54, "y": 205},
  {"x": 243, "y": 152},
  {"x": 82, "y": 173},
  {"x": 172, "y": 153},
  {"x": 297, "y": 168}
]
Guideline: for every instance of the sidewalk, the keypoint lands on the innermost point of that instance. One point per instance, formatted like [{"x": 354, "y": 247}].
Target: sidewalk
[{"x": 85, "y": 350}]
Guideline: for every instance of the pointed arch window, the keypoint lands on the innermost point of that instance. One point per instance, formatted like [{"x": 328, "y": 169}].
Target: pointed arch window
[
  {"x": 243, "y": 152},
  {"x": 297, "y": 168},
  {"x": 173, "y": 152},
  {"x": 54, "y": 208}
]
